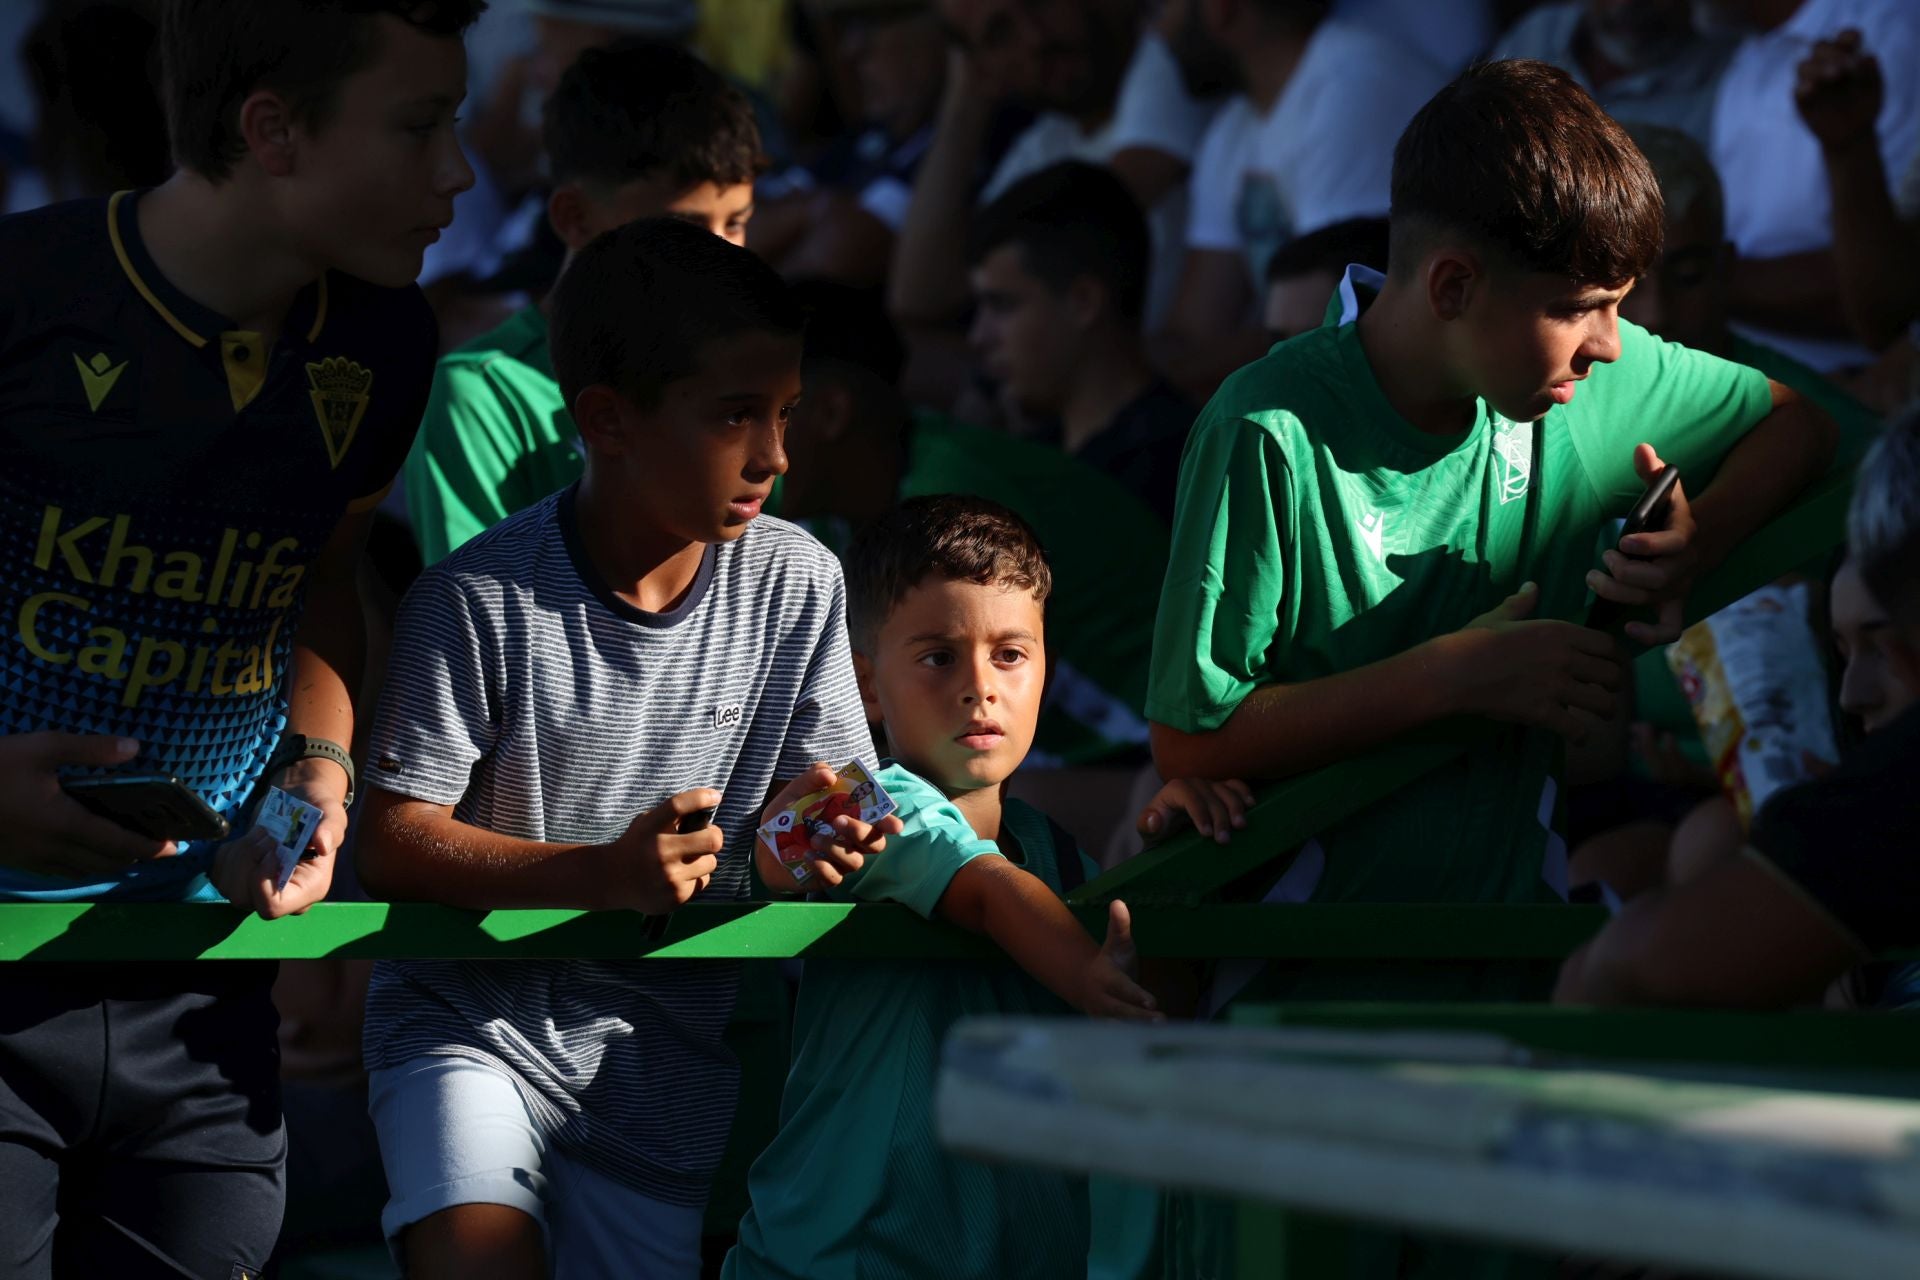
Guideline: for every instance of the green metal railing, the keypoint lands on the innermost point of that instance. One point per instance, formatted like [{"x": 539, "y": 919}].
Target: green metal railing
[{"x": 1167, "y": 886}]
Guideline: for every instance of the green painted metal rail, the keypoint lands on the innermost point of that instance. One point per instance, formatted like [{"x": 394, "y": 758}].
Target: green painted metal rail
[
  {"x": 1165, "y": 885},
  {"x": 765, "y": 931}
]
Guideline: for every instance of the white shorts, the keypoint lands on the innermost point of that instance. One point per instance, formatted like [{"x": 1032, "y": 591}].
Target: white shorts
[{"x": 456, "y": 1131}]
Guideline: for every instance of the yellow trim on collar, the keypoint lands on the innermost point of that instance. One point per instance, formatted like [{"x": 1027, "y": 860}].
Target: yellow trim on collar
[
  {"x": 140, "y": 286},
  {"x": 319, "y": 310}
]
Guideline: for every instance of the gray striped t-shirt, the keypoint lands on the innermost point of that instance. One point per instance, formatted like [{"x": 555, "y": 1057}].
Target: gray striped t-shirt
[{"x": 540, "y": 705}]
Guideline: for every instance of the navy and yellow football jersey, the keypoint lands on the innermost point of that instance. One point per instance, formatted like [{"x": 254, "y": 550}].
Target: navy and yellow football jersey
[{"x": 165, "y": 483}]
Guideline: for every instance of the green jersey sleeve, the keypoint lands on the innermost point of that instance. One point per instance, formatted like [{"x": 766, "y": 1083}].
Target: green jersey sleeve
[
  {"x": 460, "y": 476},
  {"x": 918, "y": 864},
  {"x": 1226, "y": 600},
  {"x": 1690, "y": 406}
]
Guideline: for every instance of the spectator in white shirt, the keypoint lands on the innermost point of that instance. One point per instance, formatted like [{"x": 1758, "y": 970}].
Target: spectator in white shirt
[
  {"x": 1307, "y": 140},
  {"x": 1105, "y": 92},
  {"x": 1641, "y": 60},
  {"x": 1785, "y": 288}
]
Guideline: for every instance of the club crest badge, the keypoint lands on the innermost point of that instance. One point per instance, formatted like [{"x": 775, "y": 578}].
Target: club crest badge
[
  {"x": 1513, "y": 453},
  {"x": 339, "y": 400}
]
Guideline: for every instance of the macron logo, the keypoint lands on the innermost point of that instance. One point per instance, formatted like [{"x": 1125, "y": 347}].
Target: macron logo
[{"x": 727, "y": 717}]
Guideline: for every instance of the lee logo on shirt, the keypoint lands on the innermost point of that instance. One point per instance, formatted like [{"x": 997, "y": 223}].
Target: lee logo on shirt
[
  {"x": 727, "y": 717},
  {"x": 339, "y": 400}
]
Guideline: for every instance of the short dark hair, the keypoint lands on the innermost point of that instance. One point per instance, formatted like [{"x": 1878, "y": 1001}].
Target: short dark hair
[
  {"x": 1332, "y": 248},
  {"x": 213, "y": 53},
  {"x": 1521, "y": 157},
  {"x": 1883, "y": 521},
  {"x": 948, "y": 536},
  {"x": 1070, "y": 220},
  {"x": 635, "y": 306},
  {"x": 639, "y": 107}
]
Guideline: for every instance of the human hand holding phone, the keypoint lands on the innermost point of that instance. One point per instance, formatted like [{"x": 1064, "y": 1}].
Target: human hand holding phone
[
  {"x": 50, "y": 833},
  {"x": 1655, "y": 561}
]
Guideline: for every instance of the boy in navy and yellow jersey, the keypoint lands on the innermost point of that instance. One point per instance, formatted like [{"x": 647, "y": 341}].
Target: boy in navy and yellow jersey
[{"x": 204, "y": 388}]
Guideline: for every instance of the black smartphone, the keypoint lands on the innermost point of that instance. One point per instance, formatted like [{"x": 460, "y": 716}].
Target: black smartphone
[
  {"x": 1649, "y": 513},
  {"x": 156, "y": 805},
  {"x": 698, "y": 820}
]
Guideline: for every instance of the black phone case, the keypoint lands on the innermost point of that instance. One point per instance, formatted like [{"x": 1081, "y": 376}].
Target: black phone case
[{"x": 160, "y": 809}]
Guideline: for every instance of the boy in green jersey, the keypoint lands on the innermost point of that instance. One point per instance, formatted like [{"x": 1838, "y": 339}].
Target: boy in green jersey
[
  {"x": 635, "y": 129},
  {"x": 1386, "y": 522},
  {"x": 946, "y": 600}
]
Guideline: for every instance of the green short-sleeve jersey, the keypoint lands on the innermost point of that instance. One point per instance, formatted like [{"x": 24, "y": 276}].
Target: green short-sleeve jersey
[
  {"x": 1318, "y": 531},
  {"x": 856, "y": 1183},
  {"x": 496, "y": 437}
]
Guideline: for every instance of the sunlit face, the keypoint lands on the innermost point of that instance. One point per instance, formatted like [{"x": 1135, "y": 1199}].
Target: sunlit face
[
  {"x": 373, "y": 184},
  {"x": 701, "y": 462},
  {"x": 723, "y": 210},
  {"x": 1527, "y": 340},
  {"x": 1297, "y": 304},
  {"x": 1024, "y": 334},
  {"x": 956, "y": 674},
  {"x": 1684, "y": 299},
  {"x": 1871, "y": 686}
]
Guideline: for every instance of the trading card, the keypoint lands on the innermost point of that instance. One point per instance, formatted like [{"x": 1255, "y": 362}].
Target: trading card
[
  {"x": 855, "y": 793},
  {"x": 292, "y": 822}
]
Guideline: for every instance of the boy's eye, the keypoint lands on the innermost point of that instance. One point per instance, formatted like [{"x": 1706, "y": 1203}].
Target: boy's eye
[
  {"x": 1011, "y": 657},
  {"x": 740, "y": 417},
  {"x": 936, "y": 658}
]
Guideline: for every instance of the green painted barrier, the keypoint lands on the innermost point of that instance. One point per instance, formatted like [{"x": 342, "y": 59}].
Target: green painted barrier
[
  {"x": 1164, "y": 885},
  {"x": 766, "y": 931}
]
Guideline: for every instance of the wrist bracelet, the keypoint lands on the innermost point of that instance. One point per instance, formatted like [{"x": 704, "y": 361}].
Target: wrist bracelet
[{"x": 298, "y": 746}]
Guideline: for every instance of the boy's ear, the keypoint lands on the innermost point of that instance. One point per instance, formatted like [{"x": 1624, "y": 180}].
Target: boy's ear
[
  {"x": 1452, "y": 277},
  {"x": 570, "y": 217},
  {"x": 863, "y": 675},
  {"x": 600, "y": 413},
  {"x": 1086, "y": 298},
  {"x": 267, "y": 125}
]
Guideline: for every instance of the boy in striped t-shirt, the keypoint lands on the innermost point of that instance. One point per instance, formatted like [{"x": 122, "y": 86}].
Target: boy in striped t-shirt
[{"x": 564, "y": 690}]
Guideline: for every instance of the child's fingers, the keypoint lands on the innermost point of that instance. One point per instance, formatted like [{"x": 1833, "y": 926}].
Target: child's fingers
[
  {"x": 1651, "y": 575},
  {"x": 1159, "y": 814},
  {"x": 840, "y": 862},
  {"x": 1656, "y": 543},
  {"x": 818, "y": 775},
  {"x": 1243, "y": 791}
]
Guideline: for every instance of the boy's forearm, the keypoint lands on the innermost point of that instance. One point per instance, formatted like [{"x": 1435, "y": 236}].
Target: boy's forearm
[
  {"x": 328, "y": 659},
  {"x": 1023, "y": 917},
  {"x": 1761, "y": 475},
  {"x": 1284, "y": 729},
  {"x": 1877, "y": 255},
  {"x": 411, "y": 851},
  {"x": 929, "y": 280}
]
